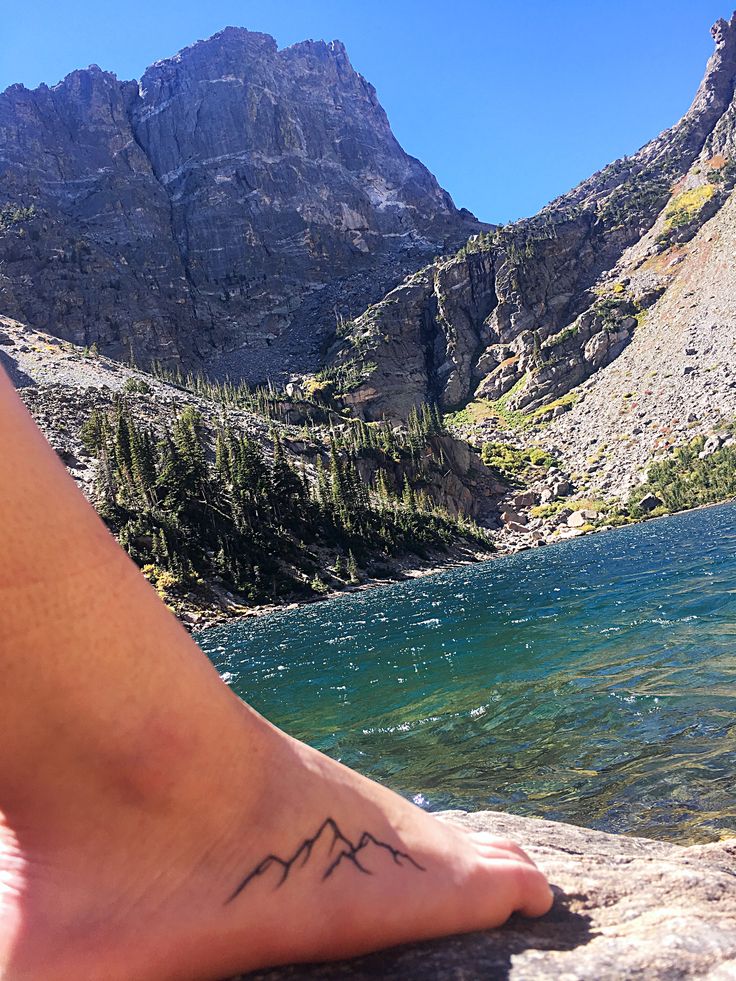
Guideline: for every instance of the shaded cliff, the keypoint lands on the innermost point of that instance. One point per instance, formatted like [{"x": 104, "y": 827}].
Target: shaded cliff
[{"x": 237, "y": 199}]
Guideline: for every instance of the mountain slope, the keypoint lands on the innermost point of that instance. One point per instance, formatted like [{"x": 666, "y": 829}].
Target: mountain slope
[
  {"x": 602, "y": 329},
  {"x": 228, "y": 498},
  {"x": 222, "y": 212},
  {"x": 530, "y": 311}
]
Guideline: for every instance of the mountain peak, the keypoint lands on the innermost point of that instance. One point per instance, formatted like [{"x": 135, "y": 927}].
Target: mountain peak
[
  {"x": 236, "y": 195},
  {"x": 721, "y": 68},
  {"x": 723, "y": 29}
]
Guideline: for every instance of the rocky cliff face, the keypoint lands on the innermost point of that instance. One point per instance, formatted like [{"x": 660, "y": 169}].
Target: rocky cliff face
[
  {"x": 221, "y": 212},
  {"x": 524, "y": 316}
]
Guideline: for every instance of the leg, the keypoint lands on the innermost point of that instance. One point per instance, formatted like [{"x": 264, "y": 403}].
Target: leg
[{"x": 152, "y": 825}]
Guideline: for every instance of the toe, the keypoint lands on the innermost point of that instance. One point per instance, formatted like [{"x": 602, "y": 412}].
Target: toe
[
  {"x": 534, "y": 894},
  {"x": 486, "y": 842}
]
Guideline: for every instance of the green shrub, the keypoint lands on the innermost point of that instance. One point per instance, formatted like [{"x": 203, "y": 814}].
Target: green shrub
[
  {"x": 136, "y": 386},
  {"x": 514, "y": 462},
  {"x": 682, "y": 480}
]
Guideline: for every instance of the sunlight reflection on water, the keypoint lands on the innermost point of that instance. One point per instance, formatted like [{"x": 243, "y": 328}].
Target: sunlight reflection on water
[{"x": 593, "y": 682}]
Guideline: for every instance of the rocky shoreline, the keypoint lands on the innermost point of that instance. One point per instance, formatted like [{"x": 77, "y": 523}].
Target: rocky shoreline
[{"x": 455, "y": 560}]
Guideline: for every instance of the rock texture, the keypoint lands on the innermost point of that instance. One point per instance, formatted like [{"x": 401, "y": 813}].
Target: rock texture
[
  {"x": 625, "y": 908},
  {"x": 617, "y": 299},
  {"x": 223, "y": 211}
]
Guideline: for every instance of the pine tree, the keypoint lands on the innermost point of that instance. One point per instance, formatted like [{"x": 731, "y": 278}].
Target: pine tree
[
  {"x": 323, "y": 489},
  {"x": 407, "y": 496}
]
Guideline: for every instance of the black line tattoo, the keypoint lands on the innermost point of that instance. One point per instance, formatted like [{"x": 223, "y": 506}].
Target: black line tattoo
[{"x": 349, "y": 852}]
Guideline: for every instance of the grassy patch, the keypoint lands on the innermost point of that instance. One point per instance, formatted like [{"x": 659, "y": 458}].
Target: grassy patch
[
  {"x": 567, "y": 400},
  {"x": 514, "y": 462},
  {"x": 513, "y": 418},
  {"x": 483, "y": 410},
  {"x": 477, "y": 411},
  {"x": 687, "y": 206}
]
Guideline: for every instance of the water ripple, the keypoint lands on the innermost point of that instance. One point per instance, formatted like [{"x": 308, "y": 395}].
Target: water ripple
[{"x": 592, "y": 682}]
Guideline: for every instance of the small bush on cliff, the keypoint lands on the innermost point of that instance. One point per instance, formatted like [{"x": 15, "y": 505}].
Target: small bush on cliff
[{"x": 15, "y": 215}]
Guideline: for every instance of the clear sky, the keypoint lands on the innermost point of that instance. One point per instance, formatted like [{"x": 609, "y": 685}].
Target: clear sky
[{"x": 508, "y": 102}]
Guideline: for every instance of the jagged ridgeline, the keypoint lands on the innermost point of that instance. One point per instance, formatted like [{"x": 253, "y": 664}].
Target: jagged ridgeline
[{"x": 199, "y": 504}]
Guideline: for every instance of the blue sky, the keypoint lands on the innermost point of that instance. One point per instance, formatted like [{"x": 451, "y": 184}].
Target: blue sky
[{"x": 508, "y": 102}]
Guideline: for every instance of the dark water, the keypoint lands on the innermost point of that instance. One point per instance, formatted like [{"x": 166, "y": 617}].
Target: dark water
[{"x": 592, "y": 682}]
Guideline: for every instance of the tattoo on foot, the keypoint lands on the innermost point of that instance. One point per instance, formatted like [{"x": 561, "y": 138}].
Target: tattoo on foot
[{"x": 349, "y": 851}]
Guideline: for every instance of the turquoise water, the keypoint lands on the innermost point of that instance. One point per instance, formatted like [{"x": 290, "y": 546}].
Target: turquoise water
[{"x": 591, "y": 682}]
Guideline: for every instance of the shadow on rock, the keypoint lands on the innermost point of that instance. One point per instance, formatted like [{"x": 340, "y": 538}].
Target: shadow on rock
[
  {"x": 19, "y": 378},
  {"x": 486, "y": 955}
]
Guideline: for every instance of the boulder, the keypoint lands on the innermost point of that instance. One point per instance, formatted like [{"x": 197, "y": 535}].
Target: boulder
[
  {"x": 649, "y": 502},
  {"x": 561, "y": 488},
  {"x": 583, "y": 517},
  {"x": 511, "y": 517},
  {"x": 712, "y": 445},
  {"x": 560, "y": 518},
  {"x": 625, "y": 908},
  {"x": 525, "y": 499}
]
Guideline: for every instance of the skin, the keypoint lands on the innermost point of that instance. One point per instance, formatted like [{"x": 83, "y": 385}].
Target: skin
[{"x": 137, "y": 792}]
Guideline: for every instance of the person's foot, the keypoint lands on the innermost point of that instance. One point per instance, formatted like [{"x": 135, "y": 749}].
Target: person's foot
[{"x": 274, "y": 854}]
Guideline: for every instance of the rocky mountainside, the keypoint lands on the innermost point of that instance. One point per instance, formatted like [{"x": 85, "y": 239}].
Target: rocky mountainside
[
  {"x": 230, "y": 499},
  {"x": 244, "y": 210},
  {"x": 602, "y": 327},
  {"x": 222, "y": 212}
]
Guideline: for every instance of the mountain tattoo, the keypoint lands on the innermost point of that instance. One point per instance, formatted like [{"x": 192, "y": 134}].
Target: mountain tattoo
[{"x": 348, "y": 851}]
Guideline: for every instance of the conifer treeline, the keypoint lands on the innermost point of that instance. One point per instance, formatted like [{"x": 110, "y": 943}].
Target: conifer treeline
[
  {"x": 191, "y": 505},
  {"x": 263, "y": 400}
]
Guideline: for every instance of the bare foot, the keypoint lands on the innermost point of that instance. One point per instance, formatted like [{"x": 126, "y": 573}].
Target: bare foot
[
  {"x": 305, "y": 861},
  {"x": 154, "y": 827}
]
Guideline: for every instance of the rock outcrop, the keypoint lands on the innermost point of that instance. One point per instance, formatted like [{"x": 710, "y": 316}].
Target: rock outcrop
[
  {"x": 625, "y": 908},
  {"x": 221, "y": 212}
]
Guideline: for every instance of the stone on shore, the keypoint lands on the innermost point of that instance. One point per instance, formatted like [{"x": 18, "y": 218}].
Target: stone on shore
[
  {"x": 579, "y": 518},
  {"x": 625, "y": 908},
  {"x": 649, "y": 502}
]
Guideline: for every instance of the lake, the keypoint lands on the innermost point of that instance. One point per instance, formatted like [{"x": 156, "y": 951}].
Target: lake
[{"x": 592, "y": 681}]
